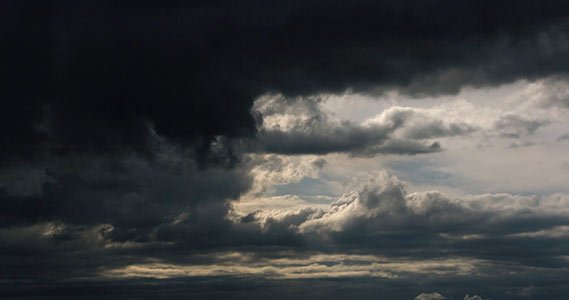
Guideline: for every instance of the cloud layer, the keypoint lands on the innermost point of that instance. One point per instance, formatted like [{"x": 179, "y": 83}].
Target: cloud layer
[{"x": 134, "y": 134}]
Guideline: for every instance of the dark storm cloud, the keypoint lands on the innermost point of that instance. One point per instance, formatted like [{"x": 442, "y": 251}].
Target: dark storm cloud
[{"x": 101, "y": 76}]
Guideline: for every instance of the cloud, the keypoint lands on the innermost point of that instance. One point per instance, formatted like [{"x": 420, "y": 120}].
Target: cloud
[
  {"x": 527, "y": 291},
  {"x": 270, "y": 170},
  {"x": 418, "y": 124},
  {"x": 92, "y": 192},
  {"x": 102, "y": 208},
  {"x": 191, "y": 73},
  {"x": 300, "y": 126},
  {"x": 514, "y": 126},
  {"x": 521, "y": 145},
  {"x": 128, "y": 129},
  {"x": 551, "y": 93},
  {"x": 381, "y": 216},
  {"x": 430, "y": 296},
  {"x": 321, "y": 266},
  {"x": 475, "y": 297},
  {"x": 563, "y": 137}
]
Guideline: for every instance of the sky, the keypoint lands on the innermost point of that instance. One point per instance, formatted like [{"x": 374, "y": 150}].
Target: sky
[{"x": 284, "y": 149}]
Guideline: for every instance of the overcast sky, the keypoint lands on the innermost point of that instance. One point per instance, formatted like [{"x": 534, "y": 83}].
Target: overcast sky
[{"x": 284, "y": 149}]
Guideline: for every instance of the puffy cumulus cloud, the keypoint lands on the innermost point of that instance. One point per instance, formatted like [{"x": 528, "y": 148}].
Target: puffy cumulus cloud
[
  {"x": 382, "y": 217},
  {"x": 475, "y": 297},
  {"x": 430, "y": 296},
  {"x": 277, "y": 179},
  {"x": 383, "y": 203},
  {"x": 284, "y": 220},
  {"x": 269, "y": 170}
]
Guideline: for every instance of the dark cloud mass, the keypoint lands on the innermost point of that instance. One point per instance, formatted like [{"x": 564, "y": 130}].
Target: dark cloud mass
[
  {"x": 129, "y": 130},
  {"x": 98, "y": 76}
]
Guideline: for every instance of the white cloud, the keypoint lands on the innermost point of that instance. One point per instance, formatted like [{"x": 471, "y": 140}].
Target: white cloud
[{"x": 430, "y": 296}]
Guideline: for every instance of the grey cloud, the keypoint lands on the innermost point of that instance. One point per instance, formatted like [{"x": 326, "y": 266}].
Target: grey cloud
[
  {"x": 346, "y": 138},
  {"x": 437, "y": 128},
  {"x": 515, "y": 126},
  {"x": 309, "y": 130},
  {"x": 563, "y": 137},
  {"x": 404, "y": 147},
  {"x": 417, "y": 124},
  {"x": 301, "y": 127},
  {"x": 521, "y": 145},
  {"x": 322, "y": 140}
]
